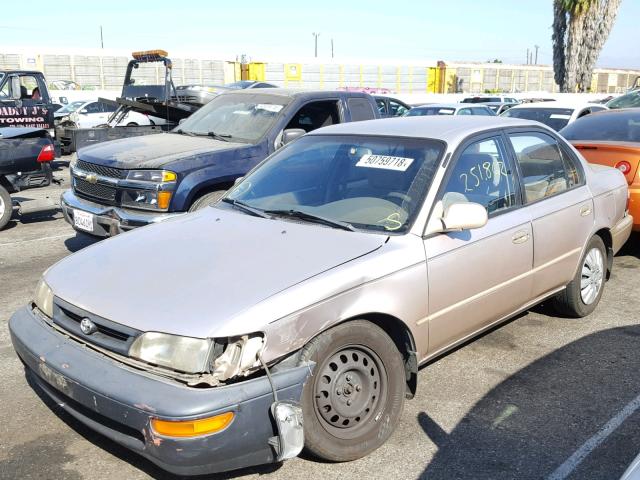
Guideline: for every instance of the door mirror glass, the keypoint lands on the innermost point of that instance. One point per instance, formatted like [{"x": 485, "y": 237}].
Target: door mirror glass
[
  {"x": 290, "y": 134},
  {"x": 15, "y": 88}
]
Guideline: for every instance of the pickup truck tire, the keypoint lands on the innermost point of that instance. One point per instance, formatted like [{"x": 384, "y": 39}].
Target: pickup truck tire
[
  {"x": 206, "y": 200},
  {"x": 583, "y": 294},
  {"x": 353, "y": 402},
  {"x": 6, "y": 207}
]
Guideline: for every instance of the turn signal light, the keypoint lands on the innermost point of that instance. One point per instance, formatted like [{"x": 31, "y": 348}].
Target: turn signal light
[
  {"x": 47, "y": 154},
  {"x": 164, "y": 198},
  {"x": 192, "y": 428},
  {"x": 623, "y": 166}
]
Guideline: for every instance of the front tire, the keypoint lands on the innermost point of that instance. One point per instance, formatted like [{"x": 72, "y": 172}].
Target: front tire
[
  {"x": 206, "y": 200},
  {"x": 6, "y": 207},
  {"x": 353, "y": 402},
  {"x": 583, "y": 294}
]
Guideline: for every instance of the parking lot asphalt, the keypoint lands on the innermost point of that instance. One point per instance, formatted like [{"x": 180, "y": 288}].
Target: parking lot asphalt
[{"x": 538, "y": 397}]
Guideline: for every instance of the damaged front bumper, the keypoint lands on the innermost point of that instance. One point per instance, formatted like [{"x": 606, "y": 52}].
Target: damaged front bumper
[{"x": 120, "y": 402}]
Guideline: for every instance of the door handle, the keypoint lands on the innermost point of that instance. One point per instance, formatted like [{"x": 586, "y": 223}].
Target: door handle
[
  {"x": 585, "y": 210},
  {"x": 520, "y": 237}
]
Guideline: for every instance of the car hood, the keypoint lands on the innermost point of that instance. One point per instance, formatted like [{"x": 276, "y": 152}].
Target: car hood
[
  {"x": 152, "y": 151},
  {"x": 192, "y": 274}
]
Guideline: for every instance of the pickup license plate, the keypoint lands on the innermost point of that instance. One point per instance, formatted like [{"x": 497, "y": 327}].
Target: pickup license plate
[{"x": 83, "y": 220}]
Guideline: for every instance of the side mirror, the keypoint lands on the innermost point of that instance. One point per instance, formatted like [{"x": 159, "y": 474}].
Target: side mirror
[
  {"x": 181, "y": 121},
  {"x": 237, "y": 180},
  {"x": 15, "y": 88},
  {"x": 457, "y": 217},
  {"x": 464, "y": 216},
  {"x": 290, "y": 134},
  {"x": 84, "y": 110}
]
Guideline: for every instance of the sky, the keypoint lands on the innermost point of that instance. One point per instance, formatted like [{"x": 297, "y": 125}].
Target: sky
[{"x": 419, "y": 30}]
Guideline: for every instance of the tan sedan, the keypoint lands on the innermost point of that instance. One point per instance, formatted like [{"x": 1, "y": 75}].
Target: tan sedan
[{"x": 296, "y": 311}]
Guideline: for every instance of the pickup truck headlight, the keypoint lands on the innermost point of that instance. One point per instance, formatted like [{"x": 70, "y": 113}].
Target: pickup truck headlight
[
  {"x": 147, "y": 199},
  {"x": 43, "y": 298},
  {"x": 186, "y": 354},
  {"x": 156, "y": 176}
]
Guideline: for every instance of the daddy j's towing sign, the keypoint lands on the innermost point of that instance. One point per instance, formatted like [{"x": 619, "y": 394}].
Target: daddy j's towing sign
[{"x": 31, "y": 116}]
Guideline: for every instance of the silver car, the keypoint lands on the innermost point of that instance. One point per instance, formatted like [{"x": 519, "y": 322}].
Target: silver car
[{"x": 297, "y": 310}]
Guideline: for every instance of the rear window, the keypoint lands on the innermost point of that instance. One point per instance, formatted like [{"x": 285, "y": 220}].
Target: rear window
[
  {"x": 360, "y": 109},
  {"x": 619, "y": 127},
  {"x": 630, "y": 100},
  {"x": 481, "y": 99},
  {"x": 423, "y": 111},
  {"x": 555, "y": 118}
]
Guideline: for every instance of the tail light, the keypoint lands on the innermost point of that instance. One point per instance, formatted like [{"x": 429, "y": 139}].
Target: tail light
[
  {"x": 623, "y": 166},
  {"x": 47, "y": 154}
]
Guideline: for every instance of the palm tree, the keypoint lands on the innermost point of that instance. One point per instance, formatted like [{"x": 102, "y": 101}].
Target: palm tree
[{"x": 580, "y": 28}]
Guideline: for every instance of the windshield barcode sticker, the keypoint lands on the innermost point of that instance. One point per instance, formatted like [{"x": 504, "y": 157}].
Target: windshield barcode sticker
[{"x": 399, "y": 164}]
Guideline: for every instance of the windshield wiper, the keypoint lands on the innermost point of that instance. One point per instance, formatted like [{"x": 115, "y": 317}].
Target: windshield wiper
[
  {"x": 220, "y": 136},
  {"x": 182, "y": 132},
  {"x": 246, "y": 208},
  {"x": 312, "y": 218}
]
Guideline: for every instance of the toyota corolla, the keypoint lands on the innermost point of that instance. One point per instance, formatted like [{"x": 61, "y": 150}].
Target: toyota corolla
[{"x": 296, "y": 311}]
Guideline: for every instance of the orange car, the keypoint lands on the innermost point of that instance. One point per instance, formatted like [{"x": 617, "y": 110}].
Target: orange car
[{"x": 612, "y": 138}]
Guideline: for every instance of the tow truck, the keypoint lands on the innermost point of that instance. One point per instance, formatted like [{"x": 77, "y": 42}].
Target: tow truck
[{"x": 161, "y": 102}]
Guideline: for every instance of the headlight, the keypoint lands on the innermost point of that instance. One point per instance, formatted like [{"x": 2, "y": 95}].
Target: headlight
[
  {"x": 156, "y": 176},
  {"x": 148, "y": 199},
  {"x": 185, "y": 354},
  {"x": 44, "y": 298}
]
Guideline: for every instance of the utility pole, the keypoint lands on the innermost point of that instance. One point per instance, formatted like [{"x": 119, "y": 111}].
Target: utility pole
[
  {"x": 527, "y": 56},
  {"x": 101, "y": 39},
  {"x": 536, "y": 59},
  {"x": 316, "y": 35},
  {"x": 332, "y": 48}
]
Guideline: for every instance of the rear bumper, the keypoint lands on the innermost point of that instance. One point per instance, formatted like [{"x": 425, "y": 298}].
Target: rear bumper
[
  {"x": 119, "y": 402},
  {"x": 634, "y": 205},
  {"x": 108, "y": 220},
  {"x": 620, "y": 232}
]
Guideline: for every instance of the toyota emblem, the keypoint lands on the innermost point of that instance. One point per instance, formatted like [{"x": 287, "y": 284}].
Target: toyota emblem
[
  {"x": 87, "y": 326},
  {"x": 92, "y": 178}
]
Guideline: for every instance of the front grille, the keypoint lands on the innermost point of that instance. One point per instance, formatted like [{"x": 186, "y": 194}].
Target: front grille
[
  {"x": 101, "y": 170},
  {"x": 110, "y": 335},
  {"x": 95, "y": 190}
]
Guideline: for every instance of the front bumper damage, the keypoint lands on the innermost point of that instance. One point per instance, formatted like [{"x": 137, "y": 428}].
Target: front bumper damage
[
  {"x": 109, "y": 220},
  {"x": 119, "y": 402}
]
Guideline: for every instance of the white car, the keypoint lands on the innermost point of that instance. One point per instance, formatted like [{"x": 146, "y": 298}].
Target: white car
[
  {"x": 94, "y": 113},
  {"x": 450, "y": 109},
  {"x": 556, "y": 115},
  {"x": 490, "y": 99}
]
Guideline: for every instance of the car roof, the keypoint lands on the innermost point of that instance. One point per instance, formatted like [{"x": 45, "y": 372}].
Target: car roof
[
  {"x": 567, "y": 105},
  {"x": 452, "y": 105},
  {"x": 451, "y": 129},
  {"x": 292, "y": 92}
]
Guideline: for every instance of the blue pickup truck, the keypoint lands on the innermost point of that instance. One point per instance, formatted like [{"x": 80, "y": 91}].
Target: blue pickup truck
[{"x": 132, "y": 182}]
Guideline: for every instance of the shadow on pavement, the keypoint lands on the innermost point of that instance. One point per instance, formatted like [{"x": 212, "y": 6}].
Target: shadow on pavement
[
  {"x": 79, "y": 242},
  {"x": 532, "y": 422},
  {"x": 632, "y": 247}
]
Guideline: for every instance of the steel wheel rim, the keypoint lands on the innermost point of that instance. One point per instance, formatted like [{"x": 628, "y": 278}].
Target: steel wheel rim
[
  {"x": 349, "y": 389},
  {"x": 592, "y": 276}
]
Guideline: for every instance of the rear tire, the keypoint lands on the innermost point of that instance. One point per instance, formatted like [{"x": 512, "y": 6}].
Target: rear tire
[
  {"x": 583, "y": 294},
  {"x": 132, "y": 124},
  {"x": 353, "y": 402},
  {"x": 6, "y": 207},
  {"x": 206, "y": 200}
]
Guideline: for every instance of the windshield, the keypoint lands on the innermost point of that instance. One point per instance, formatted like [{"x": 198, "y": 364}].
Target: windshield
[
  {"x": 424, "y": 111},
  {"x": 481, "y": 99},
  {"x": 555, "y": 118},
  {"x": 240, "y": 84},
  {"x": 630, "y": 100},
  {"x": 70, "y": 108},
  {"x": 237, "y": 116},
  {"x": 618, "y": 127},
  {"x": 371, "y": 183}
]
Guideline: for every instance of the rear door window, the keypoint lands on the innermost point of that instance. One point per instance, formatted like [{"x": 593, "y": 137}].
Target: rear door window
[
  {"x": 546, "y": 171},
  {"x": 360, "y": 109}
]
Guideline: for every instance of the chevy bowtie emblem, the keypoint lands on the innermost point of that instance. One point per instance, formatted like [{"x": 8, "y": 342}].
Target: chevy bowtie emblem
[
  {"x": 92, "y": 178},
  {"x": 87, "y": 326}
]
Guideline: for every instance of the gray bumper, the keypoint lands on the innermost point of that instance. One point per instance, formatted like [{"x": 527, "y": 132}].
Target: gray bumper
[
  {"x": 119, "y": 402},
  {"x": 108, "y": 220}
]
